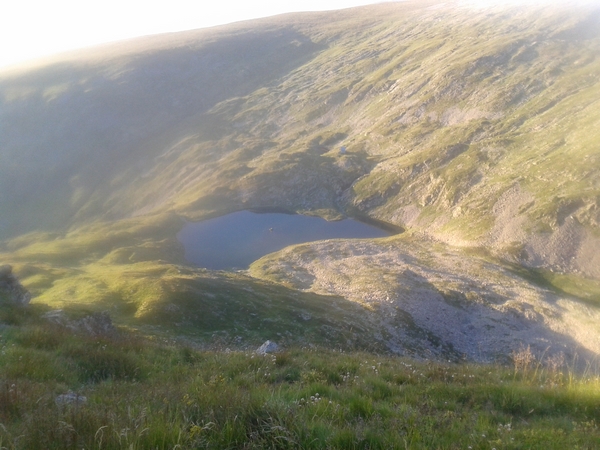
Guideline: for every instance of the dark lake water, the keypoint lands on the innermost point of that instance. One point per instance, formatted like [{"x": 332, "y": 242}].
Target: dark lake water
[{"x": 236, "y": 240}]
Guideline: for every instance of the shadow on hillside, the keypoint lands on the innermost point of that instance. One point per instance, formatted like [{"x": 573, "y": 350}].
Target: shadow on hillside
[
  {"x": 68, "y": 128},
  {"x": 485, "y": 327}
]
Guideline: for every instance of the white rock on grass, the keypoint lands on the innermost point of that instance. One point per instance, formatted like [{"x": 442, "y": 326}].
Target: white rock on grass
[
  {"x": 267, "y": 347},
  {"x": 70, "y": 398}
]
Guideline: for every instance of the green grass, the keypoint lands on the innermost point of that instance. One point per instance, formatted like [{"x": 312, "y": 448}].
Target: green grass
[
  {"x": 585, "y": 289},
  {"x": 442, "y": 111},
  {"x": 148, "y": 393}
]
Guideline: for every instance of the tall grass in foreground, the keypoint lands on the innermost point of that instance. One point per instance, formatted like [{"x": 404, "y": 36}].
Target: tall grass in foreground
[{"x": 146, "y": 394}]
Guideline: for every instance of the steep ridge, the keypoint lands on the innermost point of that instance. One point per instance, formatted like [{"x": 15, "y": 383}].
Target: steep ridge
[{"x": 471, "y": 127}]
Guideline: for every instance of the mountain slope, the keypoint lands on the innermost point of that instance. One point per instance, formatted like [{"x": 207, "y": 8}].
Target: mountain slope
[
  {"x": 469, "y": 127},
  {"x": 458, "y": 122}
]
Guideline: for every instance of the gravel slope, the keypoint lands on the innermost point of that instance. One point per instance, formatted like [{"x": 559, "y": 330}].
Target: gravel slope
[{"x": 428, "y": 296}]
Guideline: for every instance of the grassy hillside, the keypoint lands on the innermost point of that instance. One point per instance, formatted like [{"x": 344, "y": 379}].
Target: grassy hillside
[
  {"x": 130, "y": 392},
  {"x": 475, "y": 129},
  {"x": 128, "y": 277}
]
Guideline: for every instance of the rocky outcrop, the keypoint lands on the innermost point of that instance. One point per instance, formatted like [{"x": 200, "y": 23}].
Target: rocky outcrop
[
  {"x": 96, "y": 324},
  {"x": 11, "y": 290}
]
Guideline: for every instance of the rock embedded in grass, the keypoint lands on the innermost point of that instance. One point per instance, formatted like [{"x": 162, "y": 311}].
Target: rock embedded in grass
[
  {"x": 96, "y": 324},
  {"x": 267, "y": 347},
  {"x": 11, "y": 289},
  {"x": 5, "y": 271},
  {"x": 70, "y": 398}
]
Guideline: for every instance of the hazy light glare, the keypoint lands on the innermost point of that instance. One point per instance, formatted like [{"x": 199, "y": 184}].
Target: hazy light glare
[
  {"x": 491, "y": 3},
  {"x": 35, "y": 28},
  {"x": 31, "y": 29}
]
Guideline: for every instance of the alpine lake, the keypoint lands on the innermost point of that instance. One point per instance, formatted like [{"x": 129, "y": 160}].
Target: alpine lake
[{"x": 234, "y": 241}]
